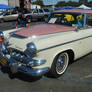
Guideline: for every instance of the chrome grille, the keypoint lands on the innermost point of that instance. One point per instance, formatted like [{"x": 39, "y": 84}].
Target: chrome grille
[{"x": 19, "y": 56}]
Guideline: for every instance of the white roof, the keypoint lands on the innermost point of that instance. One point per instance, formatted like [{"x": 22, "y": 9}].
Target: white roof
[{"x": 83, "y": 7}]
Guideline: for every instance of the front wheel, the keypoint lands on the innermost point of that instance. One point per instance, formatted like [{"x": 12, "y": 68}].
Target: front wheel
[
  {"x": 59, "y": 65},
  {"x": 29, "y": 19}
]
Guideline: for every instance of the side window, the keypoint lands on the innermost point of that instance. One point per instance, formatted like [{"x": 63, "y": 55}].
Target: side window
[
  {"x": 89, "y": 20},
  {"x": 35, "y": 11},
  {"x": 14, "y": 12},
  {"x": 46, "y": 10},
  {"x": 8, "y": 13},
  {"x": 40, "y": 11}
]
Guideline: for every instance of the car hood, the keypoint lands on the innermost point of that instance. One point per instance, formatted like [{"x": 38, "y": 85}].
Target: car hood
[
  {"x": 43, "y": 29},
  {"x": 39, "y": 33}
]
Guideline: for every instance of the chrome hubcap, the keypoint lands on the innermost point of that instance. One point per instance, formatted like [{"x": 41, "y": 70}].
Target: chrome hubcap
[
  {"x": 61, "y": 64},
  {"x": 29, "y": 20}
]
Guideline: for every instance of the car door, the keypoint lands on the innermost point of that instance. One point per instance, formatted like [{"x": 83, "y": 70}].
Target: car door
[
  {"x": 7, "y": 16},
  {"x": 35, "y": 14},
  {"x": 85, "y": 40},
  {"x": 86, "y": 35},
  {"x": 14, "y": 15}
]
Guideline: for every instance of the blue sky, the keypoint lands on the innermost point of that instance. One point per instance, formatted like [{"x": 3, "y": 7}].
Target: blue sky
[
  {"x": 55, "y": 1},
  {"x": 49, "y": 2}
]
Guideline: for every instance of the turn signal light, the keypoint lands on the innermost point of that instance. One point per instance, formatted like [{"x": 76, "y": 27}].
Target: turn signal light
[{"x": 1, "y": 39}]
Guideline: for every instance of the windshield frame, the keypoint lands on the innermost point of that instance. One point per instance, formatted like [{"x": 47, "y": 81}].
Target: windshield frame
[{"x": 84, "y": 17}]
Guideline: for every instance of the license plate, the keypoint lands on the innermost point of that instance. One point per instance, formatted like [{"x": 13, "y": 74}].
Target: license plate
[{"x": 3, "y": 61}]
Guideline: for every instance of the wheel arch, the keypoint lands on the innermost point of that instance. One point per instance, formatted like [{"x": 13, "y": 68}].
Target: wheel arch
[
  {"x": 70, "y": 52},
  {"x": 53, "y": 71}
]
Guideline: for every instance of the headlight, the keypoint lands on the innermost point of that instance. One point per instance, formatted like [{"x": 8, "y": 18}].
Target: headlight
[{"x": 31, "y": 49}]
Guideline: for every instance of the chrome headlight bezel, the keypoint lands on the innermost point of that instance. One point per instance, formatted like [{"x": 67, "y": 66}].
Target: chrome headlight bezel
[{"x": 31, "y": 49}]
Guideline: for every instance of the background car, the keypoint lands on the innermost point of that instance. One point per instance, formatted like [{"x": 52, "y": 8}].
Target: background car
[
  {"x": 39, "y": 14},
  {"x": 13, "y": 15},
  {"x": 7, "y": 16}
]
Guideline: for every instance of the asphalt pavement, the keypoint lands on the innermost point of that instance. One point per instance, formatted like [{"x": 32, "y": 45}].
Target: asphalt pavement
[{"x": 78, "y": 77}]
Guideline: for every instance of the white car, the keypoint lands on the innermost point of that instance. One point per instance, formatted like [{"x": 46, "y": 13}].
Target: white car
[
  {"x": 7, "y": 16},
  {"x": 50, "y": 47},
  {"x": 13, "y": 15}
]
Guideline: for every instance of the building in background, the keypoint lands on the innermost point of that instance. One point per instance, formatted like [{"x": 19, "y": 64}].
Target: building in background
[
  {"x": 20, "y": 3},
  {"x": 13, "y": 3},
  {"x": 4, "y": 2}
]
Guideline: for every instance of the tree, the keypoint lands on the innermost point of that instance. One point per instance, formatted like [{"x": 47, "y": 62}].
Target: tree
[
  {"x": 38, "y": 2},
  {"x": 63, "y": 3},
  {"x": 83, "y": 1},
  {"x": 73, "y": 4},
  {"x": 89, "y": 4}
]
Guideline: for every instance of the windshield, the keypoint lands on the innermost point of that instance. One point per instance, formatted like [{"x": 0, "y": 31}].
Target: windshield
[
  {"x": 2, "y": 13},
  {"x": 67, "y": 19}
]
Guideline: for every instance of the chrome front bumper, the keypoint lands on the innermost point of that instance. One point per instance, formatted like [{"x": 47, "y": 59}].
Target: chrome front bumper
[{"x": 17, "y": 66}]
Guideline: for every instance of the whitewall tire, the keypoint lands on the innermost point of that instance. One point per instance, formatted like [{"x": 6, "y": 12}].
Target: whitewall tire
[{"x": 59, "y": 64}]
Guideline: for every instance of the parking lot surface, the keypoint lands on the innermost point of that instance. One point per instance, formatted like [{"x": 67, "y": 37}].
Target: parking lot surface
[{"x": 78, "y": 77}]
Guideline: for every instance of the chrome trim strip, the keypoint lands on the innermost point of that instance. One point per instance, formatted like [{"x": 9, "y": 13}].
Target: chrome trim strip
[
  {"x": 18, "y": 36},
  {"x": 64, "y": 43}
]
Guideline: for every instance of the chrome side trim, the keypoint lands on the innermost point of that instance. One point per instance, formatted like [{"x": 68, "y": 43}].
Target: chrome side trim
[
  {"x": 64, "y": 43},
  {"x": 17, "y": 36}
]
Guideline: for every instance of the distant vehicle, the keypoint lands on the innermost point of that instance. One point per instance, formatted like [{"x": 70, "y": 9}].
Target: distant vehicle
[
  {"x": 39, "y": 14},
  {"x": 33, "y": 14},
  {"x": 13, "y": 15},
  {"x": 7, "y": 16}
]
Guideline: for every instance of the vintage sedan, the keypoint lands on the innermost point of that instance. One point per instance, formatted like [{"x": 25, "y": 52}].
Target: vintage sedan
[{"x": 50, "y": 47}]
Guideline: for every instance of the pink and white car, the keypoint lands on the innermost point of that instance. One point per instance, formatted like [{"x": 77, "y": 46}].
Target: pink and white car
[{"x": 48, "y": 47}]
